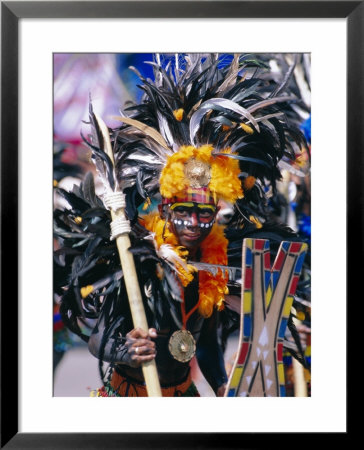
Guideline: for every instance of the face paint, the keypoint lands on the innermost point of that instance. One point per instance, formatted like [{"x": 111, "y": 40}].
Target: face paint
[{"x": 192, "y": 222}]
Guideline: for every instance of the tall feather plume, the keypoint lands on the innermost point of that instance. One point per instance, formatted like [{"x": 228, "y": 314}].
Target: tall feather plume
[
  {"x": 103, "y": 163},
  {"x": 228, "y": 101}
]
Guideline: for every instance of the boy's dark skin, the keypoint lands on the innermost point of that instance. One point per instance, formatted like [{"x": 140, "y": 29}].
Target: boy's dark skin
[{"x": 143, "y": 346}]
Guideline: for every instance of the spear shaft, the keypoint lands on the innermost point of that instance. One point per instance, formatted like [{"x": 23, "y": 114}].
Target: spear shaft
[{"x": 130, "y": 276}]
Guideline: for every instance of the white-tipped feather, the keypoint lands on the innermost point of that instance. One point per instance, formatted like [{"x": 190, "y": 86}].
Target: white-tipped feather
[
  {"x": 221, "y": 103},
  {"x": 165, "y": 131},
  {"x": 167, "y": 253},
  {"x": 270, "y": 101},
  {"x": 148, "y": 131},
  {"x": 231, "y": 76},
  {"x": 101, "y": 167}
]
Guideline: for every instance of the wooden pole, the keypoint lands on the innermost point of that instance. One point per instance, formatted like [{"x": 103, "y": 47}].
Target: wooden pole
[
  {"x": 299, "y": 382},
  {"x": 300, "y": 385},
  {"x": 131, "y": 280}
]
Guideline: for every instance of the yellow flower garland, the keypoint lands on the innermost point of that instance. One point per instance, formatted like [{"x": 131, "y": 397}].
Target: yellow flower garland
[{"x": 212, "y": 288}]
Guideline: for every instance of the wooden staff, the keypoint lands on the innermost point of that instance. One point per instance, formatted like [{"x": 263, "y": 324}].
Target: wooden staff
[
  {"x": 299, "y": 382},
  {"x": 130, "y": 277},
  {"x": 300, "y": 385}
]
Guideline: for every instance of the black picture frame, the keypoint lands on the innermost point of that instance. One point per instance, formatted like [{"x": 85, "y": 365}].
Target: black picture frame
[{"x": 11, "y": 13}]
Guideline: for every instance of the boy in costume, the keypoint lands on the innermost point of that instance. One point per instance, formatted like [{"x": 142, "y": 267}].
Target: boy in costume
[{"x": 206, "y": 131}]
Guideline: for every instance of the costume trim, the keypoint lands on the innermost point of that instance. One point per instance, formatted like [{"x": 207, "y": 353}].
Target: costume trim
[
  {"x": 199, "y": 195},
  {"x": 125, "y": 387}
]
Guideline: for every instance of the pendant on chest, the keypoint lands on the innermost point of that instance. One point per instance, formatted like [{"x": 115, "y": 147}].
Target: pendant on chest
[{"x": 182, "y": 345}]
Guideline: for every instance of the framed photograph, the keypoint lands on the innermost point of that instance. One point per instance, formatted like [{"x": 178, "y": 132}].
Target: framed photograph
[{"x": 35, "y": 38}]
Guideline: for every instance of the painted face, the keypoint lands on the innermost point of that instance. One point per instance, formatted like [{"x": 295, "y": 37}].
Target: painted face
[{"x": 192, "y": 222}]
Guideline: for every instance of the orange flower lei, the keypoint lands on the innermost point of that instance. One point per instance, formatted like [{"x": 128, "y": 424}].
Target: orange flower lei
[{"x": 212, "y": 288}]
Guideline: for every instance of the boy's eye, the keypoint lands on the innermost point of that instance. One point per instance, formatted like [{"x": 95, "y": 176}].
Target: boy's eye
[
  {"x": 182, "y": 211},
  {"x": 206, "y": 213}
]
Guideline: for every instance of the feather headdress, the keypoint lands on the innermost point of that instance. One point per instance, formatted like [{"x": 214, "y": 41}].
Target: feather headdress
[{"x": 225, "y": 102}]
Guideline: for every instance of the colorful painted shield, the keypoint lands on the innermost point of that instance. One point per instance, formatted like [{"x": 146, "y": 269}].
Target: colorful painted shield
[{"x": 267, "y": 296}]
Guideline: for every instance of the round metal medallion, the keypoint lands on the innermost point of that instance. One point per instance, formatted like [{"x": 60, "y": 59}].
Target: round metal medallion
[
  {"x": 182, "y": 345},
  {"x": 198, "y": 173}
]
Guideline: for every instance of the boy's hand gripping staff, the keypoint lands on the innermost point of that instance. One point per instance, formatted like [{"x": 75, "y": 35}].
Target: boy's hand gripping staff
[{"x": 120, "y": 228}]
